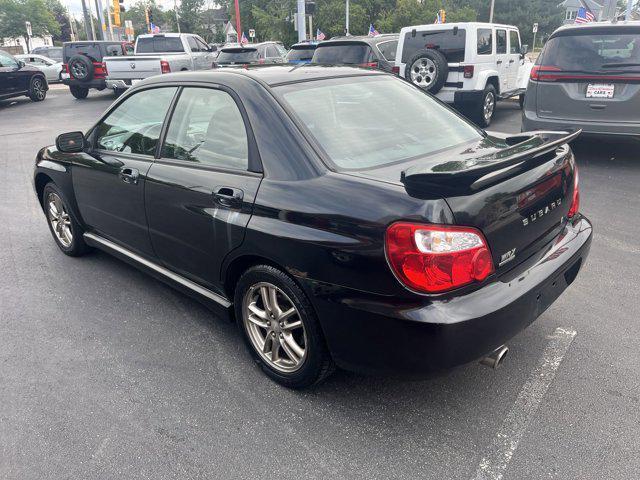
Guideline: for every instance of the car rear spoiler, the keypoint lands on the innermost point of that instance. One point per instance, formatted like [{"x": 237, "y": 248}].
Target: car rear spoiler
[{"x": 460, "y": 177}]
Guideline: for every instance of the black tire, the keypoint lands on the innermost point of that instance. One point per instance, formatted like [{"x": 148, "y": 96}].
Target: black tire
[
  {"x": 38, "y": 88},
  {"x": 435, "y": 69},
  {"x": 480, "y": 115},
  {"x": 317, "y": 363},
  {"x": 76, "y": 246},
  {"x": 521, "y": 101},
  {"x": 79, "y": 92},
  {"x": 81, "y": 68}
]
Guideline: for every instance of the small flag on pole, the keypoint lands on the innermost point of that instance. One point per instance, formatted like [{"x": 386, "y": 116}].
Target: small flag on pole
[
  {"x": 584, "y": 16},
  {"x": 243, "y": 39},
  {"x": 155, "y": 28},
  {"x": 372, "y": 31},
  {"x": 319, "y": 35}
]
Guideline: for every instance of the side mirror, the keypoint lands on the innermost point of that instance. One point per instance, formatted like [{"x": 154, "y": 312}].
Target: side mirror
[
  {"x": 72, "y": 142},
  {"x": 21, "y": 64},
  {"x": 524, "y": 49}
]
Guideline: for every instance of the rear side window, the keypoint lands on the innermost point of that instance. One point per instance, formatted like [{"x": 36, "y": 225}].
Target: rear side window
[
  {"x": 113, "y": 50},
  {"x": 207, "y": 128},
  {"x": 485, "y": 41},
  {"x": 514, "y": 42},
  {"x": 159, "y": 44},
  {"x": 193, "y": 45},
  {"x": 90, "y": 50},
  {"x": 272, "y": 52},
  {"x": 451, "y": 43},
  {"x": 501, "y": 41},
  {"x": 606, "y": 52},
  {"x": 134, "y": 126},
  {"x": 388, "y": 50},
  {"x": 346, "y": 53}
]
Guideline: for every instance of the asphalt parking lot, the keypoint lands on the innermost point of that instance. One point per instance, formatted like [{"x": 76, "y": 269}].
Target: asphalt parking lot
[{"x": 108, "y": 373}]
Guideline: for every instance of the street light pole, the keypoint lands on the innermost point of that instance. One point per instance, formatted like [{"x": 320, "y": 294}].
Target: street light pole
[
  {"x": 301, "y": 21},
  {"x": 346, "y": 30},
  {"x": 493, "y": 2},
  {"x": 175, "y": 9},
  {"x": 627, "y": 16}
]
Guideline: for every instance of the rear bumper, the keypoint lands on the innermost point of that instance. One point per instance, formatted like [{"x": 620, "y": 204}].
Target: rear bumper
[
  {"x": 531, "y": 121},
  {"x": 370, "y": 333},
  {"x": 95, "y": 83}
]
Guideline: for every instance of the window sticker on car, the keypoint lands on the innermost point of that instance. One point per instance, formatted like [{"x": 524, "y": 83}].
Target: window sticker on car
[{"x": 600, "y": 90}]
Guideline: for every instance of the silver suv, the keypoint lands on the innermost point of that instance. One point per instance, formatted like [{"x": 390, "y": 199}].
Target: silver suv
[{"x": 588, "y": 77}]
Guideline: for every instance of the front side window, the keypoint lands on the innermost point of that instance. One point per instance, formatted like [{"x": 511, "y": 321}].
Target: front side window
[
  {"x": 7, "y": 60},
  {"x": 365, "y": 122},
  {"x": 207, "y": 128},
  {"x": 193, "y": 45},
  {"x": 388, "y": 50},
  {"x": 485, "y": 41},
  {"x": 501, "y": 41},
  {"x": 134, "y": 126},
  {"x": 514, "y": 42}
]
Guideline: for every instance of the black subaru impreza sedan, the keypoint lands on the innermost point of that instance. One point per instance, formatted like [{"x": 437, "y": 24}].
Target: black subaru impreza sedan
[{"x": 342, "y": 216}]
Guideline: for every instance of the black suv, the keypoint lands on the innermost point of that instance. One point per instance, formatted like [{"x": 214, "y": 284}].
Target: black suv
[
  {"x": 83, "y": 68},
  {"x": 374, "y": 52},
  {"x": 17, "y": 79}
]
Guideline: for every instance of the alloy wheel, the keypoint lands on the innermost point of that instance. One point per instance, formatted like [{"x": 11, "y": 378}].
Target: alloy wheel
[
  {"x": 38, "y": 89},
  {"x": 59, "y": 219},
  {"x": 423, "y": 72},
  {"x": 275, "y": 327},
  {"x": 488, "y": 106},
  {"x": 79, "y": 70}
]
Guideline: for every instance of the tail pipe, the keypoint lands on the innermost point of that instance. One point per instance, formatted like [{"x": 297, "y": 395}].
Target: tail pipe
[{"x": 495, "y": 358}]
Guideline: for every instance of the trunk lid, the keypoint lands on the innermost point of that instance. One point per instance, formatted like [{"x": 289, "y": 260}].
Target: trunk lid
[{"x": 517, "y": 190}]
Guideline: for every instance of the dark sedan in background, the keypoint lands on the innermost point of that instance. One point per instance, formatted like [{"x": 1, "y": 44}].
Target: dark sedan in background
[
  {"x": 341, "y": 215},
  {"x": 18, "y": 79}
]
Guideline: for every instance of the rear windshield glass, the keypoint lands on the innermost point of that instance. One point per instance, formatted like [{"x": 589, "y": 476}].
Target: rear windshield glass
[
  {"x": 365, "y": 122},
  {"x": 449, "y": 42},
  {"x": 238, "y": 56},
  {"x": 388, "y": 50},
  {"x": 159, "y": 44},
  {"x": 300, "y": 53},
  {"x": 608, "y": 52},
  {"x": 348, "y": 53},
  {"x": 90, "y": 50}
]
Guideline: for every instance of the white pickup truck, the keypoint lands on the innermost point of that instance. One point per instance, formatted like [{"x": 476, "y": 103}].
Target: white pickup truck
[{"x": 155, "y": 54}]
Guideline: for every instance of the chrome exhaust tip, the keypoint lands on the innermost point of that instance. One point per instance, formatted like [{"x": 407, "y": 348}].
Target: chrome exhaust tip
[{"x": 495, "y": 358}]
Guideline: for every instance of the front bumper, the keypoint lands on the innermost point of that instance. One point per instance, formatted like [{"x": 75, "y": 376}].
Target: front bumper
[
  {"x": 370, "y": 333},
  {"x": 531, "y": 121}
]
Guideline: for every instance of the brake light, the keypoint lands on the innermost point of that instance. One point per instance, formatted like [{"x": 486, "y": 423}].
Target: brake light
[
  {"x": 165, "y": 67},
  {"x": 437, "y": 258},
  {"x": 468, "y": 71},
  {"x": 104, "y": 67},
  {"x": 395, "y": 70},
  {"x": 575, "y": 201},
  {"x": 261, "y": 60},
  {"x": 550, "y": 73},
  {"x": 369, "y": 65},
  {"x": 65, "y": 68}
]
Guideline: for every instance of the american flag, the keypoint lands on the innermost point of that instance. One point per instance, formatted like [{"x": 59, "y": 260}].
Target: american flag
[
  {"x": 319, "y": 35},
  {"x": 155, "y": 28},
  {"x": 584, "y": 16},
  {"x": 243, "y": 39},
  {"x": 372, "y": 31}
]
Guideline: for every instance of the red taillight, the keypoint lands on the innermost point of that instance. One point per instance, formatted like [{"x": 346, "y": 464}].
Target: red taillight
[
  {"x": 575, "y": 200},
  {"x": 369, "y": 65},
  {"x": 468, "y": 71},
  {"x": 437, "y": 258},
  {"x": 104, "y": 68},
  {"x": 165, "y": 67},
  {"x": 65, "y": 68},
  {"x": 539, "y": 72},
  {"x": 395, "y": 70},
  {"x": 261, "y": 60},
  {"x": 550, "y": 73}
]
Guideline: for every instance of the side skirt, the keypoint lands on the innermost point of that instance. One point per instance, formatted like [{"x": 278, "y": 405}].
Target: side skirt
[{"x": 213, "y": 300}]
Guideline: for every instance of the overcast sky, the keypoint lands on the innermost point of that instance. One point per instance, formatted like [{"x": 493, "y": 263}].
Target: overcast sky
[{"x": 75, "y": 6}]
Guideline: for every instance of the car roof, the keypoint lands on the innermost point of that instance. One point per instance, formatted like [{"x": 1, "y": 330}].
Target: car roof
[
  {"x": 361, "y": 39},
  {"x": 270, "y": 75},
  {"x": 448, "y": 26},
  {"x": 90, "y": 42},
  {"x": 595, "y": 26}
]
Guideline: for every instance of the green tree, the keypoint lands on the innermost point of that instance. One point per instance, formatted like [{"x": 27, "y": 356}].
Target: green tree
[
  {"x": 14, "y": 14},
  {"x": 61, "y": 16}
]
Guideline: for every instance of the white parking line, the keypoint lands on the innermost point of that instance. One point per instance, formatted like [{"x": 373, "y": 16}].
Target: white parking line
[{"x": 494, "y": 463}]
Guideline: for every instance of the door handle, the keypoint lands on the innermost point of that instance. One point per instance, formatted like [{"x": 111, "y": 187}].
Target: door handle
[
  {"x": 499, "y": 62},
  {"x": 129, "y": 175},
  {"x": 228, "y": 197},
  {"x": 511, "y": 61}
]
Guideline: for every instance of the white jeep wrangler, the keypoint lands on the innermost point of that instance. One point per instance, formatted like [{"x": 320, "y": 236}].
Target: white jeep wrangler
[{"x": 471, "y": 65}]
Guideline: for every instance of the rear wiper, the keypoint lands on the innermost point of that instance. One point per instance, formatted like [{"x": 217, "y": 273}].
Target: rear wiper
[{"x": 620, "y": 65}]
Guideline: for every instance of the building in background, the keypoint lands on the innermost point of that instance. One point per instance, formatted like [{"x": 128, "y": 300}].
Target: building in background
[
  {"x": 572, "y": 6},
  {"x": 18, "y": 45}
]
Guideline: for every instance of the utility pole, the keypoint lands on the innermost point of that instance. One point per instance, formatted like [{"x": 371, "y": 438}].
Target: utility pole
[
  {"x": 88, "y": 24},
  {"x": 238, "y": 25},
  {"x": 627, "y": 16},
  {"x": 493, "y": 2},
  {"x": 346, "y": 23},
  {"x": 310, "y": 27},
  {"x": 301, "y": 21},
  {"x": 100, "y": 19},
  {"x": 175, "y": 9},
  {"x": 109, "y": 21}
]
